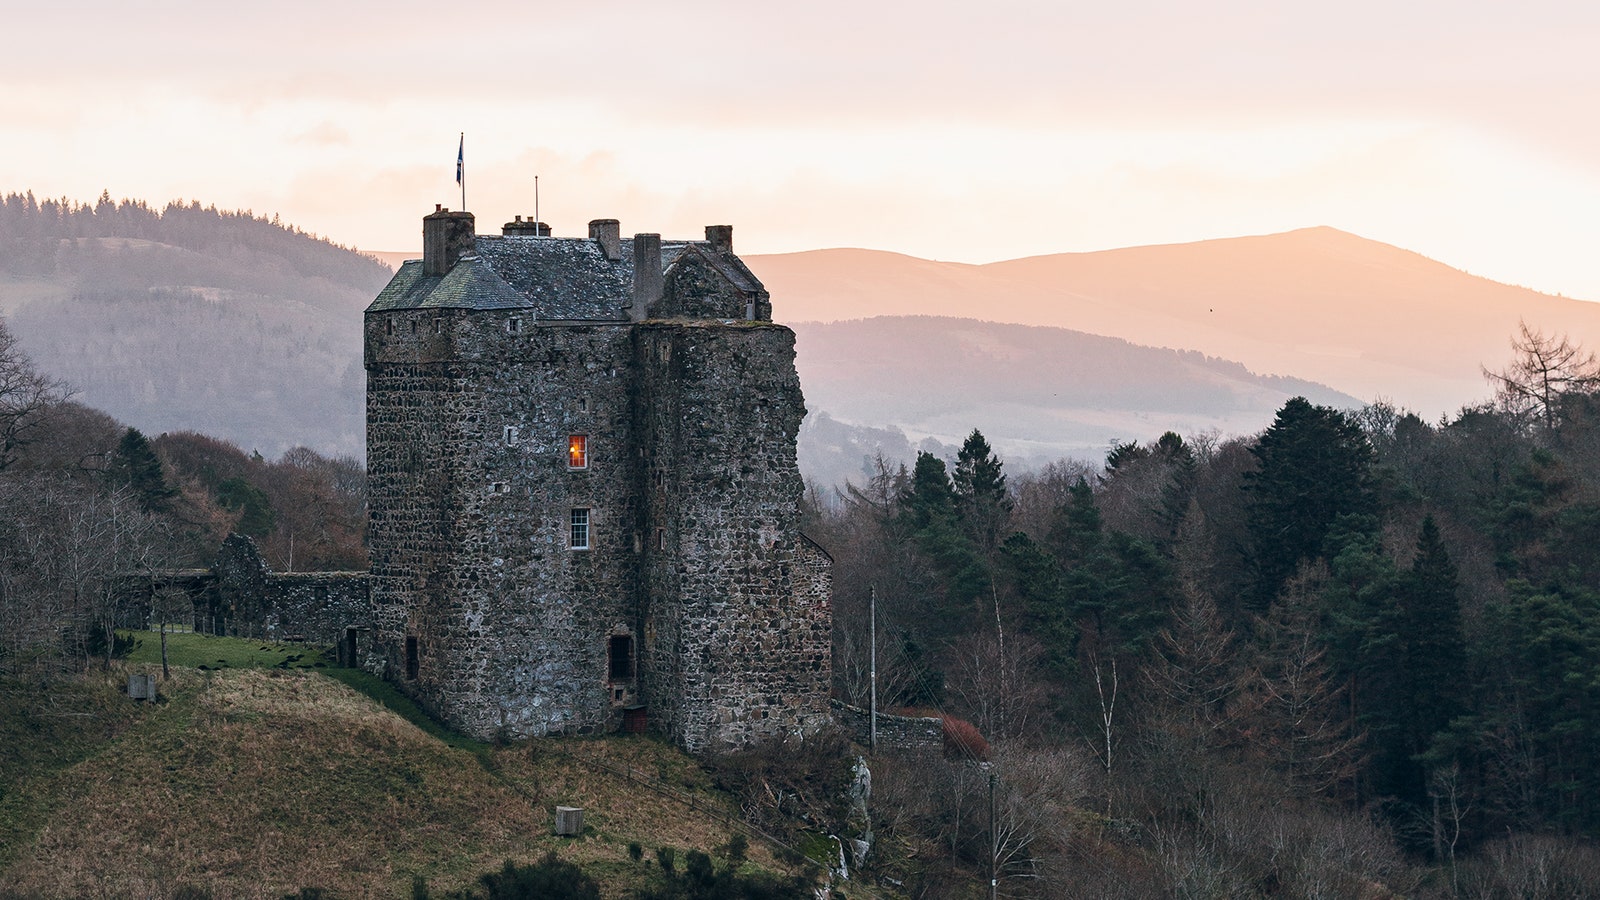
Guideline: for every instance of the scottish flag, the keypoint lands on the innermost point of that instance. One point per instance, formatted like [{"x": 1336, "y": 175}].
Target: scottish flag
[{"x": 461, "y": 157}]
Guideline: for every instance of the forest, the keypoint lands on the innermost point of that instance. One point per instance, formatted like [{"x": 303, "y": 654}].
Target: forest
[{"x": 1357, "y": 654}]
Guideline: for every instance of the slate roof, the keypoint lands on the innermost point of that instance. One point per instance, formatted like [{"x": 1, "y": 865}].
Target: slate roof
[{"x": 556, "y": 278}]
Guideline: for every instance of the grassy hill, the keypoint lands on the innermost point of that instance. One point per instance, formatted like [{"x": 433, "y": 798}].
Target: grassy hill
[{"x": 263, "y": 781}]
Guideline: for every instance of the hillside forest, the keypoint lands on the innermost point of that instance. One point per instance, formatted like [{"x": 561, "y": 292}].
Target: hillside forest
[
  {"x": 1355, "y": 650},
  {"x": 1356, "y": 654}
]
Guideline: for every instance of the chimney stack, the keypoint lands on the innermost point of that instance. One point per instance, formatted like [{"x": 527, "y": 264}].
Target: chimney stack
[
  {"x": 608, "y": 234},
  {"x": 519, "y": 227},
  {"x": 446, "y": 237},
  {"x": 647, "y": 281},
  {"x": 720, "y": 237}
]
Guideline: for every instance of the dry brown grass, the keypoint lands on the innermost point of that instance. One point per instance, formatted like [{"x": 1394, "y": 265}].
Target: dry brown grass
[{"x": 255, "y": 783}]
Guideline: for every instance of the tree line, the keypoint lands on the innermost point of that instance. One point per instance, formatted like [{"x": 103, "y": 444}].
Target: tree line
[
  {"x": 91, "y": 504},
  {"x": 1376, "y": 635}
]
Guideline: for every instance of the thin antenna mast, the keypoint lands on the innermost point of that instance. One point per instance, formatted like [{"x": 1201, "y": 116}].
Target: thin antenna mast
[{"x": 536, "y": 218}]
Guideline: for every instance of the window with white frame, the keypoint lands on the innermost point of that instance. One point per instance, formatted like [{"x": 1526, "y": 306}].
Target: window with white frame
[
  {"x": 580, "y": 529},
  {"x": 577, "y": 451}
]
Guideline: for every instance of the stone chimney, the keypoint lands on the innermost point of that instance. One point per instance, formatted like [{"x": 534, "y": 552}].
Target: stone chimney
[
  {"x": 446, "y": 237},
  {"x": 519, "y": 227},
  {"x": 608, "y": 234},
  {"x": 647, "y": 280},
  {"x": 720, "y": 237}
]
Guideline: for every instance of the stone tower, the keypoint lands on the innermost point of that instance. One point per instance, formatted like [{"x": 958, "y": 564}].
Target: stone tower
[{"x": 583, "y": 489}]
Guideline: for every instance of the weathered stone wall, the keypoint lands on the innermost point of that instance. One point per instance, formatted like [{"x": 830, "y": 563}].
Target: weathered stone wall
[
  {"x": 242, "y": 603},
  {"x": 736, "y": 634},
  {"x": 317, "y": 607},
  {"x": 694, "y": 289},
  {"x": 512, "y": 625},
  {"x": 695, "y": 566},
  {"x": 917, "y": 734},
  {"x": 417, "y": 398}
]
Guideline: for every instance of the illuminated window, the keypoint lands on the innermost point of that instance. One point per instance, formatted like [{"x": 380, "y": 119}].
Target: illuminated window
[
  {"x": 577, "y": 451},
  {"x": 580, "y": 529}
]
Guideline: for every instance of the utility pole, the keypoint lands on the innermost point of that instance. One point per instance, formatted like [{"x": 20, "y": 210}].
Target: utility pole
[{"x": 872, "y": 635}]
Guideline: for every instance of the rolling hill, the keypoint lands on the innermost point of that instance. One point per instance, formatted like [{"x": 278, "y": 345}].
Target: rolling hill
[
  {"x": 1370, "y": 320},
  {"x": 250, "y": 330}
]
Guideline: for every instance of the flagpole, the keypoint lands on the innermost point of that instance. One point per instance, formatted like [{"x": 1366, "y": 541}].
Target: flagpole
[{"x": 536, "y": 206}]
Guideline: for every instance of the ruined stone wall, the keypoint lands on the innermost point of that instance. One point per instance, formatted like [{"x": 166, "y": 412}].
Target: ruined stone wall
[
  {"x": 736, "y": 628},
  {"x": 917, "y": 734},
  {"x": 317, "y": 607}
]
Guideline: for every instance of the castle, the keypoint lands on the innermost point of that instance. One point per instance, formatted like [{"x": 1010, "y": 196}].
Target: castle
[{"x": 583, "y": 495}]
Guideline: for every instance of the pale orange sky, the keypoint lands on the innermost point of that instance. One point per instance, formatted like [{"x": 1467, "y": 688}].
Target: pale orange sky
[{"x": 961, "y": 131}]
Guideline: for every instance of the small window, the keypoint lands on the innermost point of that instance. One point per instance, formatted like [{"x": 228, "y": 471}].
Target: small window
[
  {"x": 580, "y": 529},
  {"x": 413, "y": 326},
  {"x": 411, "y": 658},
  {"x": 577, "y": 451},
  {"x": 499, "y": 487},
  {"x": 438, "y": 325},
  {"x": 621, "y": 657},
  {"x": 513, "y": 326},
  {"x": 583, "y": 404},
  {"x": 661, "y": 539},
  {"x": 388, "y": 325},
  {"x": 511, "y": 435}
]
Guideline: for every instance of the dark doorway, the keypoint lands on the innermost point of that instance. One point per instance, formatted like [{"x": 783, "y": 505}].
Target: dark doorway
[
  {"x": 411, "y": 658},
  {"x": 621, "y": 657}
]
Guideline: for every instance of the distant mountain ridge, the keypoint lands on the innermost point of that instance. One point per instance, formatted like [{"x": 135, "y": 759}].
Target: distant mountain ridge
[
  {"x": 1366, "y": 318},
  {"x": 191, "y": 318},
  {"x": 1037, "y": 393}
]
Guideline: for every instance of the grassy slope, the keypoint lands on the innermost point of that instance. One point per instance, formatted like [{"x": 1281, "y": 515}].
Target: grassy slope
[{"x": 257, "y": 782}]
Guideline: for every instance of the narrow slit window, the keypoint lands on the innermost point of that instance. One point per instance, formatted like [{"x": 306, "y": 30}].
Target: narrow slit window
[
  {"x": 577, "y": 451},
  {"x": 511, "y": 435},
  {"x": 438, "y": 325},
  {"x": 388, "y": 325},
  {"x": 580, "y": 529}
]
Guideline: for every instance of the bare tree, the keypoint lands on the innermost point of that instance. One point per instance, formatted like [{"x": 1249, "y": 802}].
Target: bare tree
[
  {"x": 27, "y": 397},
  {"x": 1543, "y": 370}
]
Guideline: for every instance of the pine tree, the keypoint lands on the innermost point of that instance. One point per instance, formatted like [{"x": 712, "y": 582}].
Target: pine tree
[
  {"x": 137, "y": 466},
  {"x": 1315, "y": 467}
]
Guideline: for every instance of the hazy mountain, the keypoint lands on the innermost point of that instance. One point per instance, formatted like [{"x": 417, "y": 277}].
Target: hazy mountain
[
  {"x": 1037, "y": 393},
  {"x": 1364, "y": 317},
  {"x": 193, "y": 318},
  {"x": 190, "y": 318}
]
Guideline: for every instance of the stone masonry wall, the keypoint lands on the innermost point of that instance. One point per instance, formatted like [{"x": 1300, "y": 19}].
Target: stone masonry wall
[
  {"x": 512, "y": 625},
  {"x": 736, "y": 634},
  {"x": 415, "y": 396},
  {"x": 905, "y": 733}
]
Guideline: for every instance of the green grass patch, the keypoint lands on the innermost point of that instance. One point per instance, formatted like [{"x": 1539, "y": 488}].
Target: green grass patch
[{"x": 206, "y": 651}]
